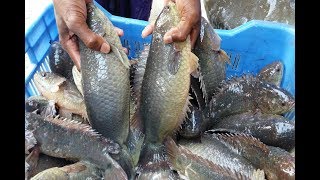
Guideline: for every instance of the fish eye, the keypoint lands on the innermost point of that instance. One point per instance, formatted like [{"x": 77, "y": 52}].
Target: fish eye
[
  {"x": 283, "y": 104},
  {"x": 43, "y": 74},
  {"x": 166, "y": 7},
  {"x": 277, "y": 69}
]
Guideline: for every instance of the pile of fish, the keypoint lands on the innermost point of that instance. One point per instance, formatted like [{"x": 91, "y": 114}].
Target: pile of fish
[
  {"x": 229, "y": 14},
  {"x": 168, "y": 114}
]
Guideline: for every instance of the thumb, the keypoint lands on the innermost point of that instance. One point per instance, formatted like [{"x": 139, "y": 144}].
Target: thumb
[
  {"x": 89, "y": 38},
  {"x": 178, "y": 34}
]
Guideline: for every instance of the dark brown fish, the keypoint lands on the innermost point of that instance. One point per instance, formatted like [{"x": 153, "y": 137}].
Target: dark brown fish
[
  {"x": 65, "y": 138},
  {"x": 248, "y": 93},
  {"x": 273, "y": 130}
]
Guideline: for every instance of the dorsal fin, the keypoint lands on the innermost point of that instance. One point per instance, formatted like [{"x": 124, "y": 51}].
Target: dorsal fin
[{"x": 174, "y": 151}]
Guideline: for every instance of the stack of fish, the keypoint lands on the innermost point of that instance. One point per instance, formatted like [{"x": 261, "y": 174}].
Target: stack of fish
[{"x": 177, "y": 119}]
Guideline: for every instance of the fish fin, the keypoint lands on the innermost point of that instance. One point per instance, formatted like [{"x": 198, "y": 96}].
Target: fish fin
[
  {"x": 258, "y": 174},
  {"x": 122, "y": 56},
  {"x": 195, "y": 87},
  {"x": 54, "y": 89},
  {"x": 115, "y": 174},
  {"x": 77, "y": 78},
  {"x": 153, "y": 157},
  {"x": 139, "y": 73},
  {"x": 174, "y": 150},
  {"x": 183, "y": 115},
  {"x": 174, "y": 62},
  {"x": 203, "y": 88},
  {"x": 194, "y": 64},
  {"x": 33, "y": 158},
  {"x": 235, "y": 139},
  {"x": 73, "y": 96},
  {"x": 30, "y": 140},
  {"x": 135, "y": 141},
  {"x": 50, "y": 109},
  {"x": 135, "y": 121},
  {"x": 223, "y": 56},
  {"x": 65, "y": 113}
]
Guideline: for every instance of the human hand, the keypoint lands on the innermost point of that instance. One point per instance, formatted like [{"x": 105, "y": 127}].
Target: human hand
[
  {"x": 190, "y": 12},
  {"x": 71, "y": 18}
]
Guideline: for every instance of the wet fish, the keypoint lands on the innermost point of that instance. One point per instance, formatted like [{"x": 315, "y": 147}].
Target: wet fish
[
  {"x": 106, "y": 85},
  {"x": 272, "y": 73},
  {"x": 191, "y": 166},
  {"x": 248, "y": 93},
  {"x": 210, "y": 148},
  {"x": 282, "y": 162},
  {"x": 276, "y": 163},
  {"x": 154, "y": 165},
  {"x": 59, "y": 61},
  {"x": 212, "y": 59},
  {"x": 78, "y": 171},
  {"x": 62, "y": 92},
  {"x": 40, "y": 105},
  {"x": 39, "y": 162},
  {"x": 167, "y": 76},
  {"x": 273, "y": 130},
  {"x": 192, "y": 127},
  {"x": 64, "y": 138}
]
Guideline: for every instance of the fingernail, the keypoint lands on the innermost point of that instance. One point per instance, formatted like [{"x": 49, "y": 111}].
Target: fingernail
[
  {"x": 125, "y": 50},
  {"x": 167, "y": 39},
  {"x": 105, "y": 48},
  {"x": 143, "y": 33},
  {"x": 120, "y": 32}
]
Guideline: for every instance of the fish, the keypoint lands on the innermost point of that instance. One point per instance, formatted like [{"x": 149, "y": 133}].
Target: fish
[
  {"x": 64, "y": 138},
  {"x": 77, "y": 77},
  {"x": 154, "y": 165},
  {"x": 59, "y": 61},
  {"x": 272, "y": 73},
  {"x": 210, "y": 148},
  {"x": 273, "y": 130},
  {"x": 282, "y": 162},
  {"x": 106, "y": 85},
  {"x": 167, "y": 76},
  {"x": 41, "y": 105},
  {"x": 276, "y": 163},
  {"x": 168, "y": 67},
  {"x": 212, "y": 59},
  {"x": 60, "y": 90},
  {"x": 230, "y": 14},
  {"x": 191, "y": 166},
  {"x": 192, "y": 127},
  {"x": 248, "y": 93},
  {"x": 81, "y": 170},
  {"x": 39, "y": 162}
]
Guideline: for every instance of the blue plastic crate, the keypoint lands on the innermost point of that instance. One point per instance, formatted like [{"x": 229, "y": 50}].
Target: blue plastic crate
[{"x": 251, "y": 46}]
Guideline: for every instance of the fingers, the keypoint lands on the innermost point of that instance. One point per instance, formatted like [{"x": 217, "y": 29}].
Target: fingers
[
  {"x": 178, "y": 34},
  {"x": 70, "y": 44},
  {"x": 77, "y": 24},
  {"x": 147, "y": 30},
  {"x": 194, "y": 35},
  {"x": 119, "y": 31}
]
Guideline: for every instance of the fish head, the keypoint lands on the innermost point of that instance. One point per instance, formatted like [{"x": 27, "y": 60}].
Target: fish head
[
  {"x": 191, "y": 127},
  {"x": 275, "y": 100},
  {"x": 272, "y": 73},
  {"x": 48, "y": 82}
]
